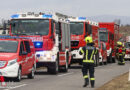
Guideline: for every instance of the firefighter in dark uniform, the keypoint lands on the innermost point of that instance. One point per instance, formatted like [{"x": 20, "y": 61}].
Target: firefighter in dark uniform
[
  {"x": 120, "y": 53},
  {"x": 88, "y": 61}
]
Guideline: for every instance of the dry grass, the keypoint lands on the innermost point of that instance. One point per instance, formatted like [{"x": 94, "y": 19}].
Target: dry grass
[
  {"x": 125, "y": 30},
  {"x": 119, "y": 83}
]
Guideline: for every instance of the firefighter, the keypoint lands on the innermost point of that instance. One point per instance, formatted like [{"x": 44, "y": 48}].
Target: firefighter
[
  {"x": 120, "y": 53},
  {"x": 88, "y": 61}
]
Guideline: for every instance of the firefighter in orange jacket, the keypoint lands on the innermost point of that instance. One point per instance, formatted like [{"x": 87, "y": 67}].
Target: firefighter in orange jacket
[
  {"x": 120, "y": 53},
  {"x": 88, "y": 61}
]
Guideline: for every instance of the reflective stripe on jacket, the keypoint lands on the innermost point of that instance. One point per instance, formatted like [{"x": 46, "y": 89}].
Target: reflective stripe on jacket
[{"x": 89, "y": 52}]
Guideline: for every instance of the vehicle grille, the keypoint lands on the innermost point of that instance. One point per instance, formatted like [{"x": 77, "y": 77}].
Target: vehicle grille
[{"x": 74, "y": 43}]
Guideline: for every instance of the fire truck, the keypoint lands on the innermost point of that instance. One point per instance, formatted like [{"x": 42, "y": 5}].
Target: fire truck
[
  {"x": 50, "y": 34},
  {"x": 127, "y": 46},
  {"x": 100, "y": 58},
  {"x": 79, "y": 29},
  {"x": 109, "y": 34}
]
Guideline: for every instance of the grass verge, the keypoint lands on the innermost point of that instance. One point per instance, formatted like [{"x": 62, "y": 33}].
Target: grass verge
[{"x": 119, "y": 83}]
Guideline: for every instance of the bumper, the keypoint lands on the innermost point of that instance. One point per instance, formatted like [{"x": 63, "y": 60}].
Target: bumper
[
  {"x": 45, "y": 64},
  {"x": 42, "y": 57},
  {"x": 127, "y": 56},
  {"x": 10, "y": 71},
  {"x": 75, "y": 54}
]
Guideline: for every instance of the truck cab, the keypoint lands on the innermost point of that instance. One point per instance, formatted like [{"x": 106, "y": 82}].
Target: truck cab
[
  {"x": 50, "y": 34},
  {"x": 17, "y": 57},
  {"x": 79, "y": 29}
]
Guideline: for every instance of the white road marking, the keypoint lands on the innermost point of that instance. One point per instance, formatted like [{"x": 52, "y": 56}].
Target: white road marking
[
  {"x": 16, "y": 87},
  {"x": 65, "y": 74}
]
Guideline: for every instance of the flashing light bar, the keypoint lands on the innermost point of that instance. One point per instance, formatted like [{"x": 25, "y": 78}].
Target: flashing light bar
[
  {"x": 15, "y": 16},
  {"x": 81, "y": 18},
  {"x": 47, "y": 16}
]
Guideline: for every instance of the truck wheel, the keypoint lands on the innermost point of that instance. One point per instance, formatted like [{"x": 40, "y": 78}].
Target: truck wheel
[
  {"x": 109, "y": 58},
  {"x": 105, "y": 63},
  {"x": 18, "y": 78},
  {"x": 54, "y": 69},
  {"x": 101, "y": 63},
  {"x": 113, "y": 60},
  {"x": 31, "y": 75}
]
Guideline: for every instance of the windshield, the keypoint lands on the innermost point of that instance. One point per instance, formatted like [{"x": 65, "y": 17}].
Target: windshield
[
  {"x": 8, "y": 46},
  {"x": 127, "y": 44},
  {"x": 103, "y": 36},
  {"x": 30, "y": 27},
  {"x": 76, "y": 28}
]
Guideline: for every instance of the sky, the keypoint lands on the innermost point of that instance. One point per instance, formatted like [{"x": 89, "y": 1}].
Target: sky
[{"x": 69, "y": 7}]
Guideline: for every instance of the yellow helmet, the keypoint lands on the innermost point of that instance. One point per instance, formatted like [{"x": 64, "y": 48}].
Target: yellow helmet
[
  {"x": 119, "y": 43},
  {"x": 88, "y": 39}
]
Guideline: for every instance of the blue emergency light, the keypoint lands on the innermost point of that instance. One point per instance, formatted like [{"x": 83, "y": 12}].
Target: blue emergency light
[
  {"x": 15, "y": 16},
  {"x": 47, "y": 16},
  {"x": 82, "y": 18},
  {"x": 38, "y": 44}
]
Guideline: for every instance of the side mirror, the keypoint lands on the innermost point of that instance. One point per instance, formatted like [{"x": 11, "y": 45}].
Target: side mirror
[{"x": 24, "y": 53}]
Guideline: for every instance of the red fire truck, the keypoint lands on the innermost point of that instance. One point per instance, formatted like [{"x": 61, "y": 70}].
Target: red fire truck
[
  {"x": 51, "y": 37},
  {"x": 101, "y": 55},
  {"x": 109, "y": 33},
  {"x": 79, "y": 29}
]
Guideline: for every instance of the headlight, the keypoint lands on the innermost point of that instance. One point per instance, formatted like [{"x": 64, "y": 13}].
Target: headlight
[
  {"x": 48, "y": 55},
  {"x": 11, "y": 62},
  {"x": 2, "y": 63}
]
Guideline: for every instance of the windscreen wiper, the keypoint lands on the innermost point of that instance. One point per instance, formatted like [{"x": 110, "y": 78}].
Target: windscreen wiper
[{"x": 39, "y": 34}]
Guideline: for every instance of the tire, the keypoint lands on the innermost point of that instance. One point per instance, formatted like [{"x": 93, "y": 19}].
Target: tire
[
  {"x": 55, "y": 68},
  {"x": 105, "y": 63},
  {"x": 109, "y": 58},
  {"x": 100, "y": 63},
  {"x": 31, "y": 75},
  {"x": 18, "y": 78},
  {"x": 113, "y": 60}
]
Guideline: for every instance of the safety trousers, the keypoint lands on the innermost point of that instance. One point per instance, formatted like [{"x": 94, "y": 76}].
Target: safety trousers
[
  {"x": 121, "y": 59},
  {"x": 88, "y": 67}
]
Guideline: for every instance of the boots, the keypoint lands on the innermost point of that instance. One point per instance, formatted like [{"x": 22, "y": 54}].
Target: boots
[
  {"x": 86, "y": 83},
  {"x": 92, "y": 83}
]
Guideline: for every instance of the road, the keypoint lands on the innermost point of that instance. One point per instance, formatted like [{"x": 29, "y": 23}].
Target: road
[{"x": 72, "y": 80}]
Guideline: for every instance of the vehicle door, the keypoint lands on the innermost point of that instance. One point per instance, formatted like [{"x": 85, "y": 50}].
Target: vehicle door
[
  {"x": 29, "y": 58},
  {"x": 22, "y": 58}
]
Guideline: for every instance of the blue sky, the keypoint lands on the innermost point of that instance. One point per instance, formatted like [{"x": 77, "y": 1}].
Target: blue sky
[{"x": 69, "y": 7}]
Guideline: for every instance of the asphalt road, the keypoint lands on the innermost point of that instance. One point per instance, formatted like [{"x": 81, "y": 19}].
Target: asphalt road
[{"x": 72, "y": 80}]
